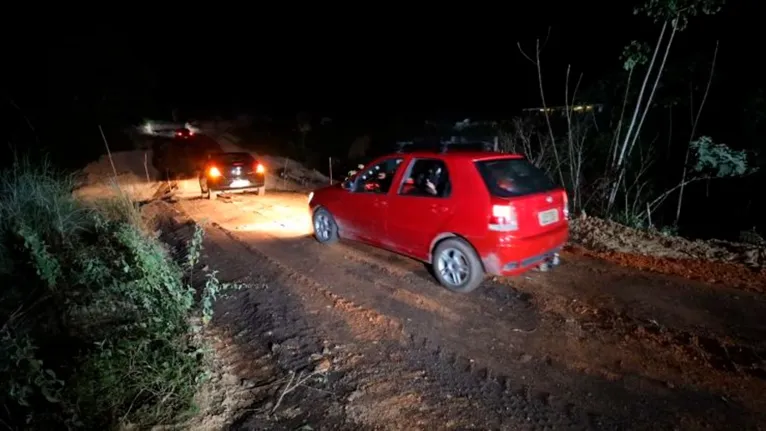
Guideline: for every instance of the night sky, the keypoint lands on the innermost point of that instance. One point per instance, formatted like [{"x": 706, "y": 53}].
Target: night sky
[{"x": 358, "y": 62}]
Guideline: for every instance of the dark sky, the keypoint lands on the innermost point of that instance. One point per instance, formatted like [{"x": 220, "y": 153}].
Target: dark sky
[
  {"x": 449, "y": 59},
  {"x": 453, "y": 61}
]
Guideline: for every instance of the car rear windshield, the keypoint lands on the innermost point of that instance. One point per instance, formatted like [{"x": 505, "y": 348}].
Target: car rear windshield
[
  {"x": 513, "y": 177},
  {"x": 231, "y": 158}
]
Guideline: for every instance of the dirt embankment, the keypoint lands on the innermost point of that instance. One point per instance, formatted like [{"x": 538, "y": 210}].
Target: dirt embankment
[{"x": 737, "y": 265}]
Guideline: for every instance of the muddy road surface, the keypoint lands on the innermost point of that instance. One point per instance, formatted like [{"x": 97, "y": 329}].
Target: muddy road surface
[{"x": 590, "y": 345}]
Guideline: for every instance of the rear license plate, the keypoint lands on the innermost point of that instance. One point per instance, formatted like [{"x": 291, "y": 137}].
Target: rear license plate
[
  {"x": 240, "y": 183},
  {"x": 548, "y": 217}
]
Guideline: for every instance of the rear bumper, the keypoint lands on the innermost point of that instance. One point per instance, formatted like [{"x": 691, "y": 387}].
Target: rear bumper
[
  {"x": 513, "y": 256},
  {"x": 256, "y": 181},
  {"x": 236, "y": 189},
  {"x": 225, "y": 187}
]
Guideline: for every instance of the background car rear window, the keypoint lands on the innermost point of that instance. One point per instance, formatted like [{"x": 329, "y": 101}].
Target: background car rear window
[
  {"x": 513, "y": 177},
  {"x": 234, "y": 158}
]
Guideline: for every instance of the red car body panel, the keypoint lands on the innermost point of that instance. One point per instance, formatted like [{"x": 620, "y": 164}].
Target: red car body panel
[{"x": 413, "y": 225}]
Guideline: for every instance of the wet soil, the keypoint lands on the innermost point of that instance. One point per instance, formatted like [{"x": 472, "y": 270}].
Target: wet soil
[{"x": 593, "y": 344}]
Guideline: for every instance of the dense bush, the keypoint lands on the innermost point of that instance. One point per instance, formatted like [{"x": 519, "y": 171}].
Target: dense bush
[{"x": 95, "y": 318}]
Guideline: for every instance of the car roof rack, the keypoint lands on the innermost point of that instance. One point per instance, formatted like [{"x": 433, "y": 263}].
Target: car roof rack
[{"x": 445, "y": 144}]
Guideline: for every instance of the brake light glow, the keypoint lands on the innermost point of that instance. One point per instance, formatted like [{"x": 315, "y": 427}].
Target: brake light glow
[
  {"x": 213, "y": 172},
  {"x": 259, "y": 168},
  {"x": 566, "y": 205},
  {"x": 504, "y": 218}
]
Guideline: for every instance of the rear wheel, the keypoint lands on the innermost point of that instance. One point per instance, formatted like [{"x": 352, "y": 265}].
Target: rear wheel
[
  {"x": 456, "y": 266},
  {"x": 325, "y": 228}
]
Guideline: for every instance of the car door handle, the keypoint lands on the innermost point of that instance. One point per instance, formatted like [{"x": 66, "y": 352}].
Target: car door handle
[{"x": 438, "y": 209}]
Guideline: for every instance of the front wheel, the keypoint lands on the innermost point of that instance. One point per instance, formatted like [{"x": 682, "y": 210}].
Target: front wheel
[
  {"x": 325, "y": 228},
  {"x": 456, "y": 266}
]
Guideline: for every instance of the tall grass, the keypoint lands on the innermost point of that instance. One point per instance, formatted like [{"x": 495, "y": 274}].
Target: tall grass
[{"x": 94, "y": 315}]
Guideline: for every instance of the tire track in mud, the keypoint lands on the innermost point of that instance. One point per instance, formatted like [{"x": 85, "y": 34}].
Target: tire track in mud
[
  {"x": 450, "y": 389},
  {"x": 708, "y": 351},
  {"x": 714, "y": 311},
  {"x": 714, "y": 353},
  {"x": 349, "y": 279},
  {"x": 461, "y": 376}
]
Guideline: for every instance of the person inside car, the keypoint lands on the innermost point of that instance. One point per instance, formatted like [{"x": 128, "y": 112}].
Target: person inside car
[
  {"x": 432, "y": 180},
  {"x": 425, "y": 184}
]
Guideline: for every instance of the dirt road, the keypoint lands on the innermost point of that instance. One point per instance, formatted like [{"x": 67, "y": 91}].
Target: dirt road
[{"x": 589, "y": 345}]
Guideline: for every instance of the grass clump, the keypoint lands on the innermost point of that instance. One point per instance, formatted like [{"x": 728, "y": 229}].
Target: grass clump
[{"x": 95, "y": 317}]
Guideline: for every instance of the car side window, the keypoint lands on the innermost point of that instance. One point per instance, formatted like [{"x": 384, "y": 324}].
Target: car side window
[
  {"x": 427, "y": 178},
  {"x": 379, "y": 177}
]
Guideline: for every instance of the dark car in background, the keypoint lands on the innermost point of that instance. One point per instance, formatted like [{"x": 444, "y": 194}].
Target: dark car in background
[{"x": 232, "y": 172}]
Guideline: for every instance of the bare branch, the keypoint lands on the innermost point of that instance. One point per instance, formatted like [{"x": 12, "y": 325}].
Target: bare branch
[
  {"x": 518, "y": 44},
  {"x": 661, "y": 198},
  {"x": 547, "y": 38},
  {"x": 694, "y": 131}
]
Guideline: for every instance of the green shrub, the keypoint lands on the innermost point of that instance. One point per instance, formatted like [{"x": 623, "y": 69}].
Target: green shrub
[{"x": 95, "y": 318}]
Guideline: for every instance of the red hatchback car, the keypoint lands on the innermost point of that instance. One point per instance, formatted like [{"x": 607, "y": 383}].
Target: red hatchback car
[{"x": 467, "y": 213}]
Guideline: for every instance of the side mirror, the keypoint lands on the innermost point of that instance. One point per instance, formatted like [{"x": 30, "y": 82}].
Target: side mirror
[{"x": 348, "y": 185}]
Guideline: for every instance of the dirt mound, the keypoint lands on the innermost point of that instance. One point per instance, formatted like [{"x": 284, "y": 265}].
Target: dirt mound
[
  {"x": 601, "y": 235},
  {"x": 138, "y": 163},
  {"x": 135, "y": 177}
]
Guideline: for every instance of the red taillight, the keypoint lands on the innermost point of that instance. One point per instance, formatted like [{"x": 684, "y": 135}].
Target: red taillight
[
  {"x": 213, "y": 172},
  {"x": 566, "y": 205},
  {"x": 259, "y": 168},
  {"x": 503, "y": 218}
]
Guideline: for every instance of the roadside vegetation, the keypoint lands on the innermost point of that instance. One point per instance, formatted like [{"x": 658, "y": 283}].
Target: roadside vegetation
[{"x": 97, "y": 321}]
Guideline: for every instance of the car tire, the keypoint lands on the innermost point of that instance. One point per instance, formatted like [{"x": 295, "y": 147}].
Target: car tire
[
  {"x": 325, "y": 228},
  {"x": 457, "y": 266}
]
